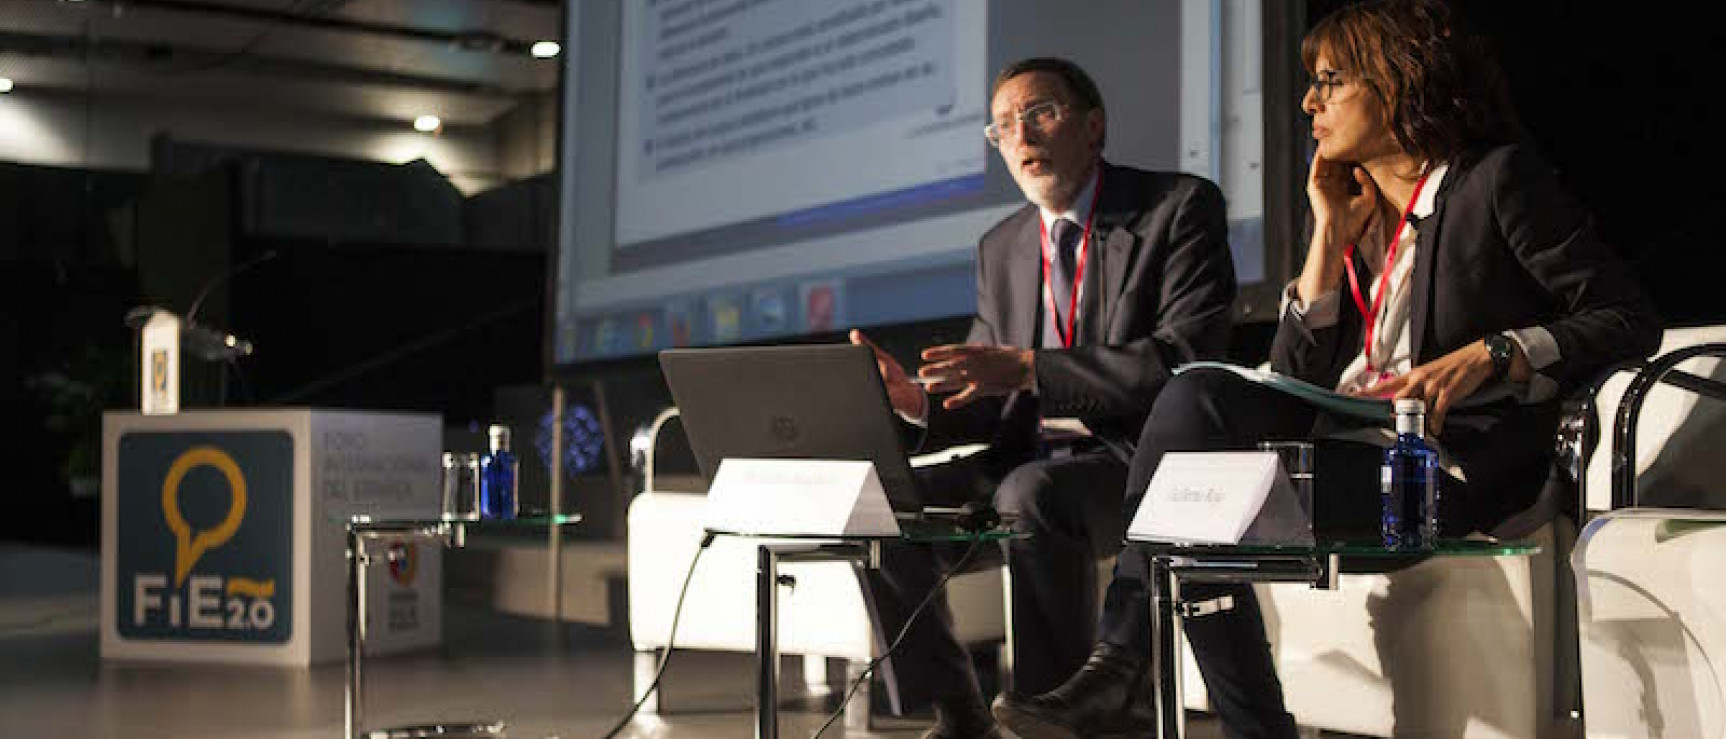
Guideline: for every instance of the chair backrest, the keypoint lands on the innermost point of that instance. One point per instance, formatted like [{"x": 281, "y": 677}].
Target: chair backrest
[{"x": 1674, "y": 466}]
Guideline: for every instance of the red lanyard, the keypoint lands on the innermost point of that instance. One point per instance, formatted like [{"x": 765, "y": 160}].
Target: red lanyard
[
  {"x": 1371, "y": 317},
  {"x": 1078, "y": 268}
]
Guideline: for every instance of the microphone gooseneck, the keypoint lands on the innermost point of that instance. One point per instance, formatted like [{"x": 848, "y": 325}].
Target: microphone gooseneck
[{"x": 198, "y": 302}]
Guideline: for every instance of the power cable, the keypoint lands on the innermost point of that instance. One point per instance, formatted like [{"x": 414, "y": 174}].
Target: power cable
[
  {"x": 903, "y": 630},
  {"x": 670, "y": 640}
]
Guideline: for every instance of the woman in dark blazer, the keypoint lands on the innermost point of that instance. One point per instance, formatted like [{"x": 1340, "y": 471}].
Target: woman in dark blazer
[{"x": 1446, "y": 263}]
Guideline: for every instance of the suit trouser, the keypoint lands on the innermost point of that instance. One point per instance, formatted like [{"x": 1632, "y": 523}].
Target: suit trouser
[
  {"x": 1071, "y": 509},
  {"x": 1208, "y": 411}
]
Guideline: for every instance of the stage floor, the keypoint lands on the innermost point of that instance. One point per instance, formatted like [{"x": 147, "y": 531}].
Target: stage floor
[{"x": 570, "y": 682}]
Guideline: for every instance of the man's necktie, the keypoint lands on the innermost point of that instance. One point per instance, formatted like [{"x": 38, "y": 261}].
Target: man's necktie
[{"x": 1065, "y": 234}]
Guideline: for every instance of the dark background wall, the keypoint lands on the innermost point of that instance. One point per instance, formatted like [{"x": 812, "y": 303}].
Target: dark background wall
[{"x": 381, "y": 294}]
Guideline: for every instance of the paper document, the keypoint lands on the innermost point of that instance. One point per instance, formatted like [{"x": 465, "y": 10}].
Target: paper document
[{"x": 1369, "y": 409}]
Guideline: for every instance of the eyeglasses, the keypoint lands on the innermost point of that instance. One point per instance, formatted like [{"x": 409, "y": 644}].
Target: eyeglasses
[
  {"x": 1039, "y": 118},
  {"x": 1324, "y": 85}
]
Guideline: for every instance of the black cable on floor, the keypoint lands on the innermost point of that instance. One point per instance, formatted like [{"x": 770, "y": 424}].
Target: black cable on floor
[
  {"x": 940, "y": 585},
  {"x": 670, "y": 639}
]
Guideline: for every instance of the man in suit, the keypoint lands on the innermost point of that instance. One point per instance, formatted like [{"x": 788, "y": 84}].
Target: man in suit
[{"x": 1086, "y": 299}]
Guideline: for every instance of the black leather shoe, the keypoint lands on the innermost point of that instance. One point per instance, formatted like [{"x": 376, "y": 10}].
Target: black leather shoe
[
  {"x": 967, "y": 721},
  {"x": 1107, "y": 697}
]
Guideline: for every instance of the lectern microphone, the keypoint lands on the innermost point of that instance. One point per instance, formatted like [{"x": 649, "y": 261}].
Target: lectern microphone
[
  {"x": 198, "y": 302},
  {"x": 210, "y": 344}
]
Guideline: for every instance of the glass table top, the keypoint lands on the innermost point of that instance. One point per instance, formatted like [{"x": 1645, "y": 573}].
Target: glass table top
[
  {"x": 1469, "y": 547},
  {"x": 538, "y": 521},
  {"x": 924, "y": 531}
]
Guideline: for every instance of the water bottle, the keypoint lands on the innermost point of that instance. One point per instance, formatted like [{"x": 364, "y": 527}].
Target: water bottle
[
  {"x": 498, "y": 476},
  {"x": 1409, "y": 482}
]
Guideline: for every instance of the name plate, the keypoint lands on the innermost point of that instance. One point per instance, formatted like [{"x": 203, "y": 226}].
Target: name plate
[
  {"x": 1221, "y": 498},
  {"x": 799, "y": 497}
]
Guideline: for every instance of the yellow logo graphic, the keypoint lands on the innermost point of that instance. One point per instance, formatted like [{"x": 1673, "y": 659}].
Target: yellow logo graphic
[
  {"x": 251, "y": 588},
  {"x": 189, "y": 547},
  {"x": 159, "y": 371}
]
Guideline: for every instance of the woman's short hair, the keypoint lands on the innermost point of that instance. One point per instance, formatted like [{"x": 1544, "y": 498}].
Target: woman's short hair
[{"x": 1436, "y": 84}]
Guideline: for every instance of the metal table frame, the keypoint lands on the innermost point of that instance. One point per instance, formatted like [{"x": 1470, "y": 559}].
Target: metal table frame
[
  {"x": 1170, "y": 564},
  {"x": 769, "y": 555},
  {"x": 862, "y": 552},
  {"x": 361, "y": 530},
  {"x": 1168, "y": 568}
]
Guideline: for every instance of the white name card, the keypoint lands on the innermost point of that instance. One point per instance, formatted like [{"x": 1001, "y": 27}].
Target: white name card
[
  {"x": 799, "y": 497},
  {"x": 1216, "y": 498}
]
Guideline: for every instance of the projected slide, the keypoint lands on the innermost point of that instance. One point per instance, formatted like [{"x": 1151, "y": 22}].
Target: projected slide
[
  {"x": 724, "y": 107},
  {"x": 752, "y": 170},
  {"x": 725, "y": 83}
]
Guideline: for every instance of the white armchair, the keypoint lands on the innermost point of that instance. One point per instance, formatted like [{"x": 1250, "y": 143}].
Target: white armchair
[
  {"x": 1653, "y": 622},
  {"x": 824, "y": 617},
  {"x": 1651, "y": 616}
]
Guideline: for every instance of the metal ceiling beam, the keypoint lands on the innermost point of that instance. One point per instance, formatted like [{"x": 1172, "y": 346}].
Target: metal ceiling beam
[
  {"x": 474, "y": 40},
  {"x": 171, "y": 60}
]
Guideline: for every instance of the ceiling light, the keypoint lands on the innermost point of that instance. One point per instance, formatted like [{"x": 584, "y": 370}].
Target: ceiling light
[
  {"x": 427, "y": 123},
  {"x": 5, "y": 85},
  {"x": 544, "y": 49}
]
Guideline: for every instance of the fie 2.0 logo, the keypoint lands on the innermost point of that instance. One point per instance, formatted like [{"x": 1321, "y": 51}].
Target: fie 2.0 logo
[{"x": 205, "y": 536}]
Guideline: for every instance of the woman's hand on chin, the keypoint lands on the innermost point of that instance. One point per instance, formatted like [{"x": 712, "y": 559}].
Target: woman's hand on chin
[{"x": 1339, "y": 215}]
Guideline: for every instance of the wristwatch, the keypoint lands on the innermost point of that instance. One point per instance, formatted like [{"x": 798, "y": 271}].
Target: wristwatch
[{"x": 1501, "y": 349}]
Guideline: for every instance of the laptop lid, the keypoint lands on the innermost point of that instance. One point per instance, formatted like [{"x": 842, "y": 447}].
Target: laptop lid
[{"x": 818, "y": 401}]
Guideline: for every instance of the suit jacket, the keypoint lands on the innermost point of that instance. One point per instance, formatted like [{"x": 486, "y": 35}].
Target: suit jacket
[
  {"x": 1158, "y": 287},
  {"x": 1506, "y": 248}
]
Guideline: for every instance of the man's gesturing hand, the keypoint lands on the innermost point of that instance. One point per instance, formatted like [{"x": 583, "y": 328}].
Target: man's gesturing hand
[
  {"x": 974, "y": 371},
  {"x": 906, "y": 397}
]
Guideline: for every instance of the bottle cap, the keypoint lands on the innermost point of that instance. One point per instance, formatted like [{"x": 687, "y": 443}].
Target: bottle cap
[
  {"x": 1410, "y": 405},
  {"x": 497, "y": 436}
]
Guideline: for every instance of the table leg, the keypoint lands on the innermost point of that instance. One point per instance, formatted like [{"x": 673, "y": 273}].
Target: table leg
[
  {"x": 766, "y": 643},
  {"x": 1008, "y": 656},
  {"x": 1166, "y": 649},
  {"x": 449, "y": 534},
  {"x": 353, "y": 701}
]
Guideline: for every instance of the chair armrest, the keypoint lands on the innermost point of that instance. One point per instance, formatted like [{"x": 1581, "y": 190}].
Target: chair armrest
[
  {"x": 1578, "y": 436},
  {"x": 1662, "y": 369},
  {"x": 645, "y": 442}
]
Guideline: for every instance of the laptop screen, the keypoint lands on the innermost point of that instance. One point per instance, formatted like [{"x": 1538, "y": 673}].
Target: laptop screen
[{"x": 820, "y": 401}]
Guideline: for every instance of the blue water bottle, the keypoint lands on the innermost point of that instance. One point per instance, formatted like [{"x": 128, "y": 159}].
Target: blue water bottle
[
  {"x": 1409, "y": 482},
  {"x": 498, "y": 476}
]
